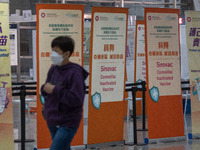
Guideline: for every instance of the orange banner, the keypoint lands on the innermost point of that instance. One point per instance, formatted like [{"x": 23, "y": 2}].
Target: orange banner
[
  {"x": 107, "y": 74},
  {"x": 164, "y": 96},
  {"x": 55, "y": 20}
]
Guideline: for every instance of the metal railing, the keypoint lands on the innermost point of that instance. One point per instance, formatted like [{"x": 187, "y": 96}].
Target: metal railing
[{"x": 20, "y": 89}]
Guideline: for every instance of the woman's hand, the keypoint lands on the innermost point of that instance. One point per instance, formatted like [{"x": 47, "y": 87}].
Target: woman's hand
[{"x": 48, "y": 88}]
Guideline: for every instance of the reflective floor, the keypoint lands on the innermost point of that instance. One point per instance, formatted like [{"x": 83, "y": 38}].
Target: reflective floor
[{"x": 181, "y": 143}]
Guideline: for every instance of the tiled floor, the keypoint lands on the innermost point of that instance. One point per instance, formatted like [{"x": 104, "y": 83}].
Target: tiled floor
[{"x": 174, "y": 144}]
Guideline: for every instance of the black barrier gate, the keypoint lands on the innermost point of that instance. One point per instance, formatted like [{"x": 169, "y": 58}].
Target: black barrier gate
[
  {"x": 130, "y": 87},
  {"x": 185, "y": 88},
  {"x": 133, "y": 89},
  {"x": 23, "y": 93}
]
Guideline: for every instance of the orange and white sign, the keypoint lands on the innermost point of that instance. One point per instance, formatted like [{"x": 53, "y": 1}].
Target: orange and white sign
[
  {"x": 56, "y": 20},
  {"x": 107, "y": 74},
  {"x": 163, "y": 73},
  {"x": 108, "y": 56}
]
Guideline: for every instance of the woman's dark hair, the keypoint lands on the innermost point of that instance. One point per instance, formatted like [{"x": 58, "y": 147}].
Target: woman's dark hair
[{"x": 65, "y": 43}]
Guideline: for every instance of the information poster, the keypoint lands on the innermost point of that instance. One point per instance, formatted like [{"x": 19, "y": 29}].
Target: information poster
[
  {"x": 163, "y": 73},
  {"x": 108, "y": 56},
  {"x": 130, "y": 53},
  {"x": 6, "y": 109},
  {"x": 140, "y": 64},
  {"x": 107, "y": 74},
  {"x": 86, "y": 43},
  {"x": 56, "y": 20},
  {"x": 13, "y": 45},
  {"x": 192, "y": 22}
]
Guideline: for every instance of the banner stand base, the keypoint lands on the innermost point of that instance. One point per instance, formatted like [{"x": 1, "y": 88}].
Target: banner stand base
[
  {"x": 132, "y": 144},
  {"x": 166, "y": 140},
  {"x": 193, "y": 136},
  {"x": 142, "y": 129},
  {"x": 111, "y": 144},
  {"x": 79, "y": 147}
]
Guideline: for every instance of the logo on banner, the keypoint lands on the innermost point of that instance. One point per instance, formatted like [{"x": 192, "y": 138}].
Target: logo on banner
[
  {"x": 96, "y": 100},
  {"x": 4, "y": 101},
  {"x": 139, "y": 28},
  {"x": 170, "y": 18},
  {"x": 189, "y": 19},
  {"x": 117, "y": 18},
  {"x": 97, "y": 18},
  {"x": 71, "y": 15},
  {"x": 43, "y": 15},
  {"x": 154, "y": 18},
  {"x": 154, "y": 94}
]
